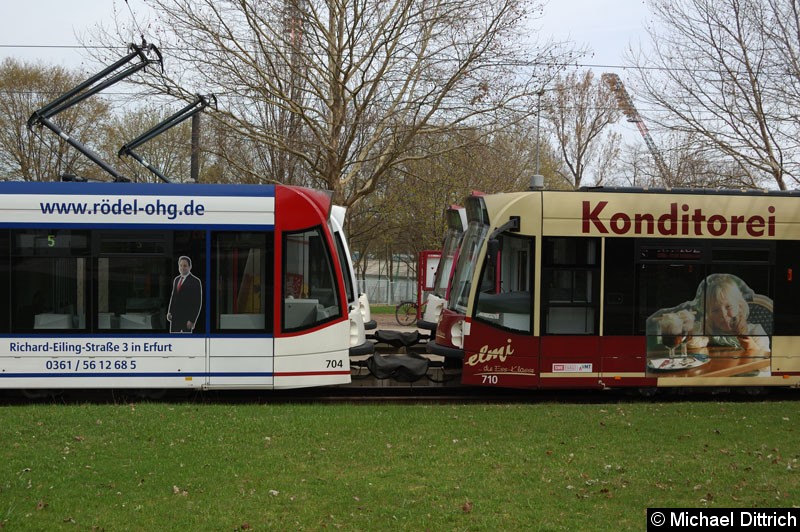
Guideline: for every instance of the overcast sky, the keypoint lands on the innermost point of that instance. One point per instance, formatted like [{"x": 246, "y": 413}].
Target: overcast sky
[
  {"x": 50, "y": 31},
  {"x": 607, "y": 27}
]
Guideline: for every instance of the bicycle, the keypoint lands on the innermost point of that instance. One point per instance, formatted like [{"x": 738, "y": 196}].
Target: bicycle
[{"x": 406, "y": 313}]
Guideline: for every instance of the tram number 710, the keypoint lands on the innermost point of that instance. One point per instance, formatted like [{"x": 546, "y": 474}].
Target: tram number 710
[{"x": 489, "y": 379}]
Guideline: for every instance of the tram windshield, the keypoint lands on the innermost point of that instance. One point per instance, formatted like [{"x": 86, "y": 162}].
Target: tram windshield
[
  {"x": 468, "y": 260},
  {"x": 336, "y": 223},
  {"x": 452, "y": 241}
]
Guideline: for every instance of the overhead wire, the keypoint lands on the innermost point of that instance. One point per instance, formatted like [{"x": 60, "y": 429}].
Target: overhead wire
[
  {"x": 135, "y": 21},
  {"x": 168, "y": 48}
]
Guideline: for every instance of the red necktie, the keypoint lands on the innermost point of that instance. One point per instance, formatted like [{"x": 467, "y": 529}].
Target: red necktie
[{"x": 180, "y": 283}]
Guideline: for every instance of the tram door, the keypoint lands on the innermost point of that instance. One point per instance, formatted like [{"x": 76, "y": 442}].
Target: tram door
[
  {"x": 500, "y": 349},
  {"x": 242, "y": 345},
  {"x": 312, "y": 347},
  {"x": 570, "y": 309}
]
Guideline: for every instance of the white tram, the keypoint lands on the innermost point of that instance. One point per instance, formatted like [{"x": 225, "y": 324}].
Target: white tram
[{"x": 89, "y": 295}]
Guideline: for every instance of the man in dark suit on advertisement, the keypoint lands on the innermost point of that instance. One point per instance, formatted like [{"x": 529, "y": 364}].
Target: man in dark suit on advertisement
[{"x": 186, "y": 300}]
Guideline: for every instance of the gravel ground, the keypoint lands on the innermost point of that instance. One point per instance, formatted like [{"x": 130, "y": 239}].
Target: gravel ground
[{"x": 388, "y": 322}]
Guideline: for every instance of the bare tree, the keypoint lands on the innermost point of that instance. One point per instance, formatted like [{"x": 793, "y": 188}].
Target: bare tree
[
  {"x": 579, "y": 109},
  {"x": 169, "y": 152},
  {"x": 334, "y": 92},
  {"x": 406, "y": 213},
  {"x": 29, "y": 155},
  {"x": 691, "y": 166},
  {"x": 715, "y": 71},
  {"x": 781, "y": 28},
  {"x": 639, "y": 168}
]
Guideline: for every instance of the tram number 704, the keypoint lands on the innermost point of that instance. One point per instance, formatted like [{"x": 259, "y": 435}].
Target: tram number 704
[{"x": 334, "y": 364}]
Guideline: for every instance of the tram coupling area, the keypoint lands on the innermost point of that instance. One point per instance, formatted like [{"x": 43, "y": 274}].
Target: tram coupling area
[{"x": 400, "y": 360}]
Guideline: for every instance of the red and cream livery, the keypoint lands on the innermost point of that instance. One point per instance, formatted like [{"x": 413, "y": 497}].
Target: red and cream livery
[{"x": 605, "y": 288}]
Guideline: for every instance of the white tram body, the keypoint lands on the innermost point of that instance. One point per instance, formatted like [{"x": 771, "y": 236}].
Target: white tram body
[{"x": 89, "y": 276}]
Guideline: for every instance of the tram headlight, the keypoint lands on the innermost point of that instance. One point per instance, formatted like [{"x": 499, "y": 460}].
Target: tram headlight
[
  {"x": 433, "y": 308},
  {"x": 363, "y": 307},
  {"x": 358, "y": 334},
  {"x": 457, "y": 333}
]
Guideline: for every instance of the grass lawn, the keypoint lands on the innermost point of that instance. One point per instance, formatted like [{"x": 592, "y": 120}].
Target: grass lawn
[{"x": 551, "y": 466}]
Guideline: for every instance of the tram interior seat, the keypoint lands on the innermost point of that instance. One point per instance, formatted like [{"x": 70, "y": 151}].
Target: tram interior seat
[
  {"x": 241, "y": 321},
  {"x": 135, "y": 320},
  {"x": 299, "y": 312},
  {"x": 326, "y": 312},
  {"x": 107, "y": 320},
  {"x": 53, "y": 321},
  {"x": 142, "y": 304}
]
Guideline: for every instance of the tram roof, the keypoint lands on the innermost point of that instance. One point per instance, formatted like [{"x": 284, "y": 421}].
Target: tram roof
[
  {"x": 685, "y": 190},
  {"x": 138, "y": 189}
]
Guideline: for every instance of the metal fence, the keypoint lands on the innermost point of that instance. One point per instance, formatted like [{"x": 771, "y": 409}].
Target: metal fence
[{"x": 385, "y": 292}]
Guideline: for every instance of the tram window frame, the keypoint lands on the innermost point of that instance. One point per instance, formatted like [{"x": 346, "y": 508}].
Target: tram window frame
[
  {"x": 225, "y": 298},
  {"x": 709, "y": 257},
  {"x": 58, "y": 301},
  {"x": 132, "y": 275},
  {"x": 508, "y": 305},
  {"x": 5, "y": 285},
  {"x": 562, "y": 258},
  {"x": 299, "y": 299},
  {"x": 786, "y": 319},
  {"x": 619, "y": 289}
]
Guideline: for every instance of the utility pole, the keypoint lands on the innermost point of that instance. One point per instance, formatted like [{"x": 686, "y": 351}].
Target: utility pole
[
  {"x": 192, "y": 111},
  {"x": 195, "y": 166},
  {"x": 537, "y": 181}
]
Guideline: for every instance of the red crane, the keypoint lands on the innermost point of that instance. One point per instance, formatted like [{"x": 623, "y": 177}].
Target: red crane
[{"x": 625, "y": 104}]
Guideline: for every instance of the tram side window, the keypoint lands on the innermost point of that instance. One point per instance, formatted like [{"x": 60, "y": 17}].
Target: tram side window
[
  {"x": 505, "y": 294},
  {"x": 665, "y": 285},
  {"x": 5, "y": 306},
  {"x": 787, "y": 289},
  {"x": 746, "y": 272},
  {"x": 310, "y": 290},
  {"x": 243, "y": 274},
  {"x": 710, "y": 285},
  {"x": 49, "y": 280},
  {"x": 570, "y": 285},
  {"x": 134, "y": 270},
  {"x": 619, "y": 268}
]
